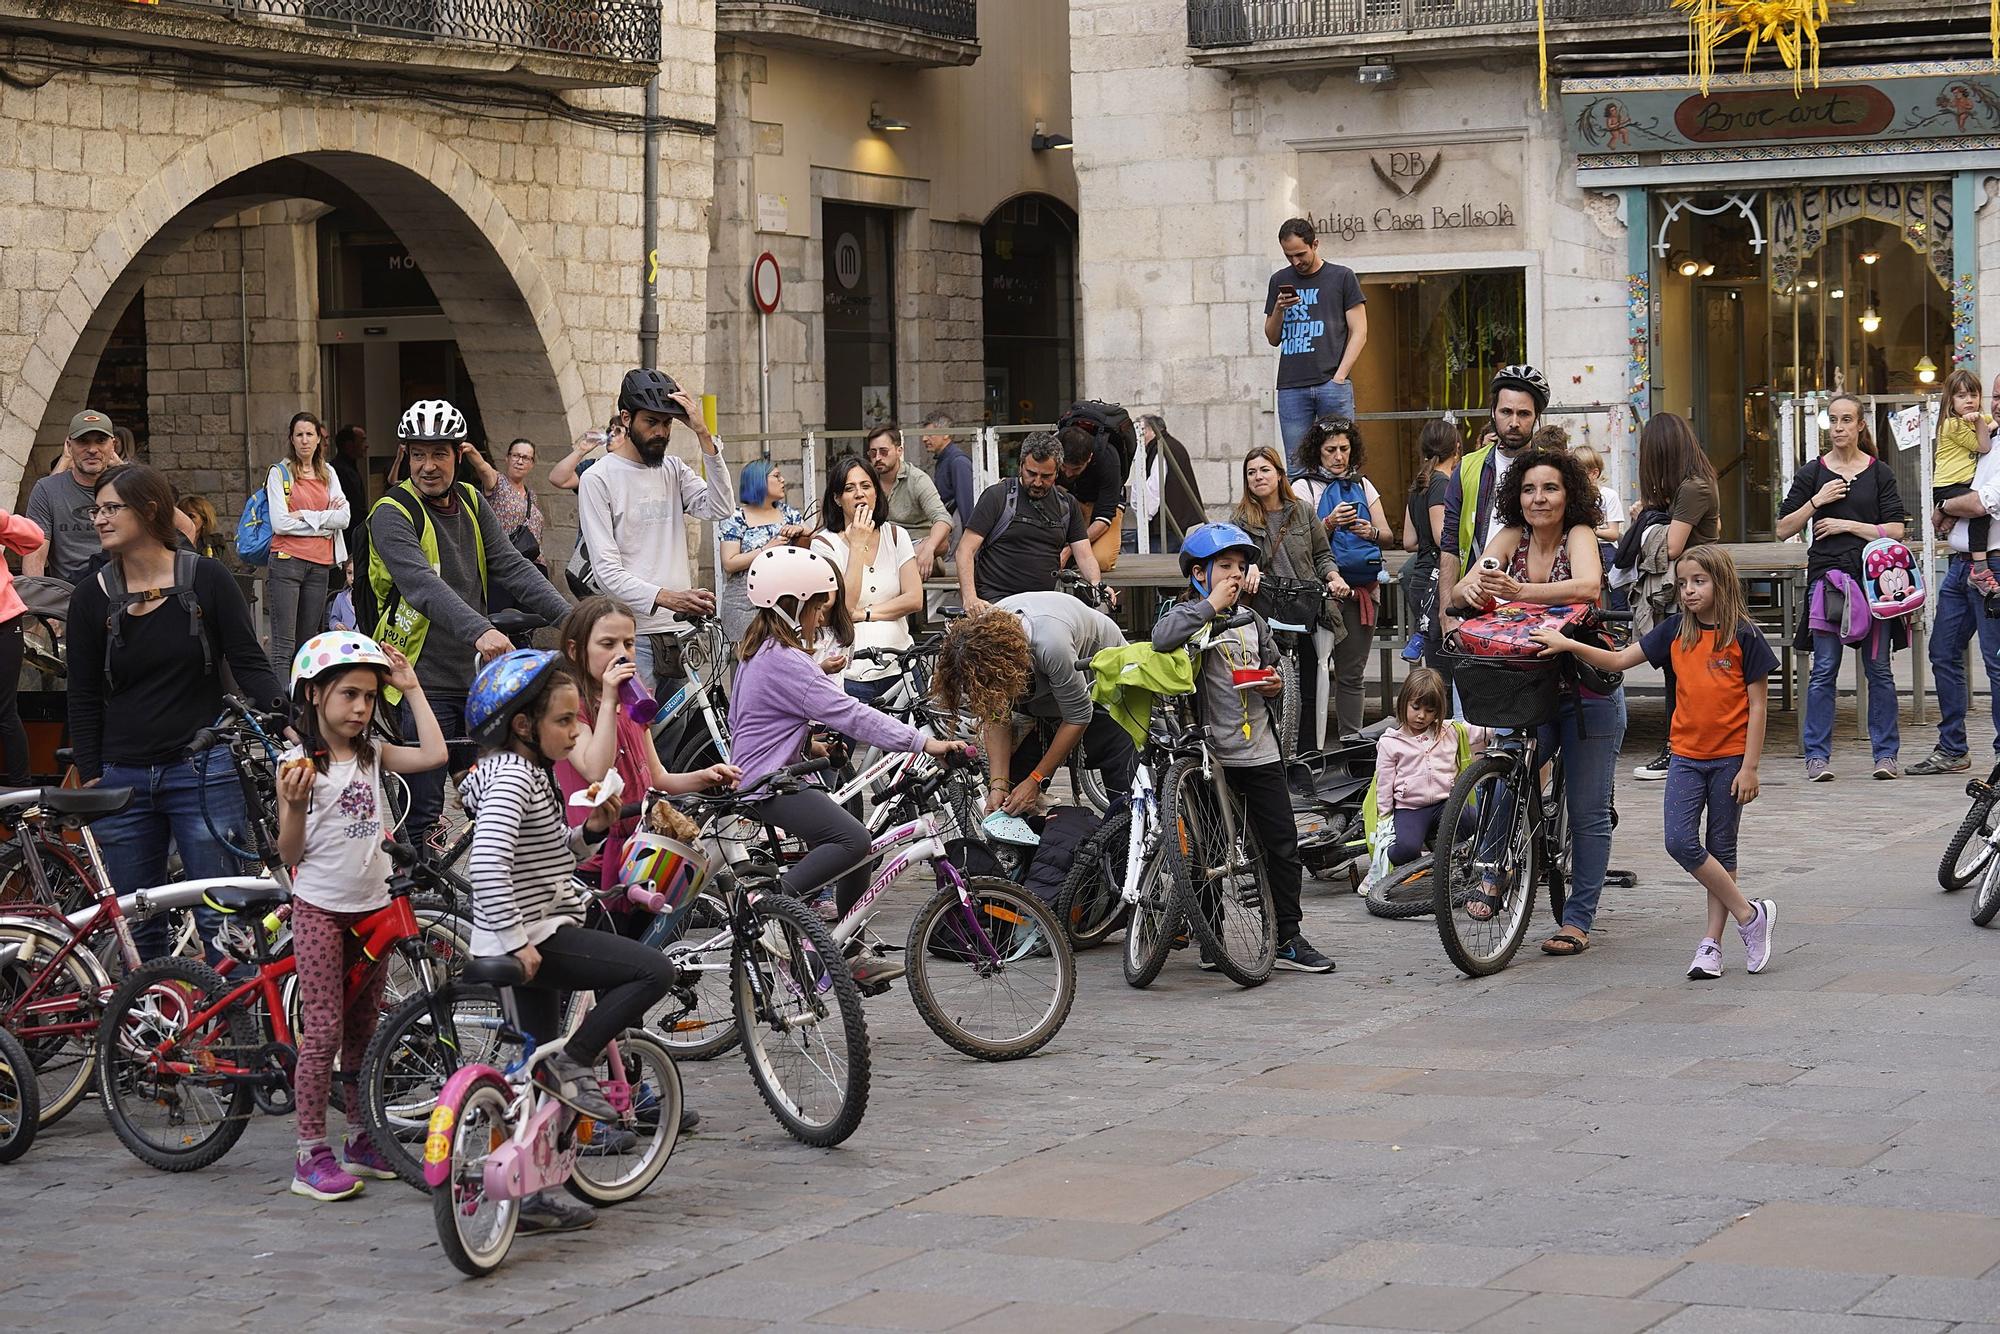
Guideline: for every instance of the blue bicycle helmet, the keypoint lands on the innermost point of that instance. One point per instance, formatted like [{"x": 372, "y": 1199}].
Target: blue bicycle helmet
[
  {"x": 1205, "y": 543},
  {"x": 502, "y": 687}
]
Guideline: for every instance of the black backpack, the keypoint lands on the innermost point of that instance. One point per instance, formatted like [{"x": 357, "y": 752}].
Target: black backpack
[
  {"x": 1011, "y": 503},
  {"x": 1106, "y": 421},
  {"x": 113, "y": 579}
]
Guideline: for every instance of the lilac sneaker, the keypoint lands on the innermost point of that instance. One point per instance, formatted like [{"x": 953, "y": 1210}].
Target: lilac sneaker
[
  {"x": 360, "y": 1158},
  {"x": 318, "y": 1177},
  {"x": 1757, "y": 936},
  {"x": 1707, "y": 965}
]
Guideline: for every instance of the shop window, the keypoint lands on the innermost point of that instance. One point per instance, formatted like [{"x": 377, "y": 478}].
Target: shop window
[{"x": 858, "y": 246}]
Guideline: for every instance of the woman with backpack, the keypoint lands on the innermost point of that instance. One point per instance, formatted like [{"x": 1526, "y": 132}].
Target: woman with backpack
[
  {"x": 1290, "y": 543},
  {"x": 1349, "y": 508},
  {"x": 149, "y": 635},
  {"x": 309, "y": 516},
  {"x": 1849, "y": 498}
]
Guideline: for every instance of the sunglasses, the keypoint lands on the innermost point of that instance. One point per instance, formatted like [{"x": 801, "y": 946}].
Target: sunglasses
[{"x": 1333, "y": 425}]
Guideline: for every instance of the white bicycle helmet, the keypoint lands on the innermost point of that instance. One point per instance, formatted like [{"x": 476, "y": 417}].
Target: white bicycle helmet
[
  {"x": 333, "y": 650},
  {"x": 432, "y": 419},
  {"x": 784, "y": 571}
]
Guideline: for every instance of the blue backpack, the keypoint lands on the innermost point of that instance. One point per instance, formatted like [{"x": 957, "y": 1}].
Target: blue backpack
[
  {"x": 253, "y": 528},
  {"x": 1360, "y": 561}
]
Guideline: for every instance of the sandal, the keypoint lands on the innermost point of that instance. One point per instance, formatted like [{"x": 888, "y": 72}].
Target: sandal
[
  {"x": 1482, "y": 905},
  {"x": 1565, "y": 942}
]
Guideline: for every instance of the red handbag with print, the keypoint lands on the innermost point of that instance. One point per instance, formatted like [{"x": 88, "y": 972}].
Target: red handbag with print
[{"x": 1507, "y": 631}]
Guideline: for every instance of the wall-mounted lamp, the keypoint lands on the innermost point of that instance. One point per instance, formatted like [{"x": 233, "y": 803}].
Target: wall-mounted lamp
[
  {"x": 1708, "y": 270},
  {"x": 1376, "y": 74},
  {"x": 1812, "y": 284},
  {"x": 1871, "y": 256},
  {"x": 1689, "y": 267},
  {"x": 1926, "y": 370},
  {"x": 1044, "y": 142},
  {"x": 1870, "y": 320},
  {"x": 882, "y": 124},
  {"x": 1838, "y": 293}
]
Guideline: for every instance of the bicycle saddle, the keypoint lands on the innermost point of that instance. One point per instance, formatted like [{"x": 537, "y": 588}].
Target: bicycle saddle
[
  {"x": 71, "y": 805},
  {"x": 245, "y": 896},
  {"x": 500, "y": 970}
]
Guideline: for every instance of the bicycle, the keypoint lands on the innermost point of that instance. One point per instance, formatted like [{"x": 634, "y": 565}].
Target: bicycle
[
  {"x": 20, "y": 1099},
  {"x": 498, "y": 1136},
  {"x": 704, "y": 658},
  {"x": 1973, "y": 855}
]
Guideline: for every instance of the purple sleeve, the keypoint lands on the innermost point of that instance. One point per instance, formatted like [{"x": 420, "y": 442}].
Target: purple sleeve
[{"x": 820, "y": 698}]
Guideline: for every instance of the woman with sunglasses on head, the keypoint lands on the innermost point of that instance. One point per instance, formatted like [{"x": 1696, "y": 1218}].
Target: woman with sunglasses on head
[
  {"x": 762, "y": 516},
  {"x": 1349, "y": 508}
]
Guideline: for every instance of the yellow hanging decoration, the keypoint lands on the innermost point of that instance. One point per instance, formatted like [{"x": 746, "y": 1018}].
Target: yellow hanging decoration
[
  {"x": 1790, "y": 25},
  {"x": 1542, "y": 43}
]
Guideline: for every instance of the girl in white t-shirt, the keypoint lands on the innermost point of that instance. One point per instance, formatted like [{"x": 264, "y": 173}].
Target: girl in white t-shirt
[
  {"x": 330, "y": 829},
  {"x": 878, "y": 569}
]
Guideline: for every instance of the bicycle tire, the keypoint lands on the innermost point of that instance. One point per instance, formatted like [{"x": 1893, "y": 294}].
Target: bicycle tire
[
  {"x": 187, "y": 985},
  {"x": 1208, "y": 872},
  {"x": 407, "y": 1063},
  {"x": 1087, "y": 786},
  {"x": 657, "y": 1125},
  {"x": 1455, "y": 871},
  {"x": 1986, "y": 902},
  {"x": 64, "y": 1063},
  {"x": 697, "y": 1019},
  {"x": 1017, "y": 924},
  {"x": 829, "y": 999},
  {"x": 1955, "y": 871},
  {"x": 1089, "y": 904},
  {"x": 69, "y": 880},
  {"x": 1404, "y": 893},
  {"x": 20, "y": 1099},
  {"x": 1155, "y": 922},
  {"x": 479, "y": 1122},
  {"x": 1289, "y": 705}
]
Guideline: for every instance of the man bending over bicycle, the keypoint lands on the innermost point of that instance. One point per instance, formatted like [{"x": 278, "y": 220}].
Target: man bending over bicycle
[
  {"x": 1021, "y": 656},
  {"x": 1236, "y": 722}
]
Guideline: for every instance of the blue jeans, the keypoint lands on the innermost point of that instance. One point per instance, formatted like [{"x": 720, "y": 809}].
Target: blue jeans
[
  {"x": 1588, "y": 736},
  {"x": 427, "y": 789},
  {"x": 1691, "y": 786},
  {"x": 1884, "y": 731},
  {"x": 868, "y": 692},
  {"x": 1297, "y": 408},
  {"x": 1961, "y": 613},
  {"x": 168, "y": 801}
]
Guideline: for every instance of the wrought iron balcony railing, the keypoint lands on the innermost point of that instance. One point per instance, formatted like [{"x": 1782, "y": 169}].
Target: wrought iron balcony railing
[
  {"x": 955, "y": 19},
  {"x": 627, "y": 31},
  {"x": 1241, "y": 22}
]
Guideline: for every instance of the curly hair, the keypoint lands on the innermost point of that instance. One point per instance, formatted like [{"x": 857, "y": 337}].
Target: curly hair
[
  {"x": 982, "y": 666},
  {"x": 1581, "y": 503},
  {"x": 1323, "y": 429}
]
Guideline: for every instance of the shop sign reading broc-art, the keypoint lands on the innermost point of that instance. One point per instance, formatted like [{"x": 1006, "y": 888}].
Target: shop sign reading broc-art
[{"x": 1393, "y": 199}]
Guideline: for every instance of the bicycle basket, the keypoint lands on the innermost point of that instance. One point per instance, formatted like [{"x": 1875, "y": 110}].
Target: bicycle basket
[{"x": 1506, "y": 692}]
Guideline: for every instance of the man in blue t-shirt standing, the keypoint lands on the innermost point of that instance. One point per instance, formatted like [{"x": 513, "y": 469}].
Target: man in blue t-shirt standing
[{"x": 1315, "y": 315}]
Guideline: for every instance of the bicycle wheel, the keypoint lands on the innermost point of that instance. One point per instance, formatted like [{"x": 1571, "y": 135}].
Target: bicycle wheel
[
  {"x": 1089, "y": 904},
  {"x": 1560, "y": 853},
  {"x": 20, "y": 1099},
  {"x": 618, "y": 1161},
  {"x": 697, "y": 1019},
  {"x": 1225, "y": 891},
  {"x": 1088, "y": 786},
  {"x": 1155, "y": 923},
  {"x": 60, "y": 1036},
  {"x": 175, "y": 1119},
  {"x": 1404, "y": 893},
  {"x": 994, "y": 978},
  {"x": 1971, "y": 847},
  {"x": 1484, "y": 834},
  {"x": 799, "y": 1013},
  {"x": 1288, "y": 705},
  {"x": 475, "y": 1229},
  {"x": 1986, "y": 901},
  {"x": 414, "y": 1051},
  {"x": 68, "y": 878}
]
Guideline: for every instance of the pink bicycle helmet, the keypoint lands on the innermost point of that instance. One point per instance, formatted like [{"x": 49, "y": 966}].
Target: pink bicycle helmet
[{"x": 784, "y": 571}]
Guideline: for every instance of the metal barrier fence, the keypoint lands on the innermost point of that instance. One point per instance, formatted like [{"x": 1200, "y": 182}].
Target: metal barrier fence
[{"x": 941, "y": 18}]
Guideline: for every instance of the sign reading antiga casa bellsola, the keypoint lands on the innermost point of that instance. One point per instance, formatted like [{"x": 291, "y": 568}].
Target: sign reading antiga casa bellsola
[
  {"x": 1439, "y": 195},
  {"x": 1936, "y": 105}
]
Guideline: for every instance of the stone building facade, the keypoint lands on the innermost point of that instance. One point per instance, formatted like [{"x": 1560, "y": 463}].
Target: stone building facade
[{"x": 1733, "y": 256}]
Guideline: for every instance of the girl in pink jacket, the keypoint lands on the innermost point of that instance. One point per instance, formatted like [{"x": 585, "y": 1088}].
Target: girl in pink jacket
[{"x": 1416, "y": 762}]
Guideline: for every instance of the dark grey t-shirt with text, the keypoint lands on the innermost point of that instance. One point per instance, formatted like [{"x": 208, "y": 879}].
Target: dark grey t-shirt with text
[{"x": 1313, "y": 337}]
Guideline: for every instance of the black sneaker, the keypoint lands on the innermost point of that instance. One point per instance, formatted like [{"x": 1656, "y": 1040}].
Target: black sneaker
[
  {"x": 546, "y": 1211},
  {"x": 690, "y": 1118},
  {"x": 574, "y": 1083},
  {"x": 1298, "y": 956},
  {"x": 1655, "y": 769},
  {"x": 1940, "y": 761}
]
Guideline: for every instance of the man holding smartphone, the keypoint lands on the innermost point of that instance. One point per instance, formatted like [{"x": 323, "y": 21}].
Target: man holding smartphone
[{"x": 1316, "y": 317}]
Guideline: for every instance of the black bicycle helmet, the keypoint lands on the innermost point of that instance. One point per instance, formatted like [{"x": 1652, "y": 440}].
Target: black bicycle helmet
[
  {"x": 1526, "y": 379},
  {"x": 647, "y": 390}
]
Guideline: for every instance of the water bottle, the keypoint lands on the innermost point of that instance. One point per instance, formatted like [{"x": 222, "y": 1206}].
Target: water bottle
[{"x": 636, "y": 700}]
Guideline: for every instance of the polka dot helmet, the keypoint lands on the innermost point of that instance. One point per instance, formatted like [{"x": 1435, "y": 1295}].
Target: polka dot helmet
[{"x": 333, "y": 650}]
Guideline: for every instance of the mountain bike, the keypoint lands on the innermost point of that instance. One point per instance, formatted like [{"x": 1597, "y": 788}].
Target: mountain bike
[
  {"x": 497, "y": 1136},
  {"x": 1972, "y": 858}
]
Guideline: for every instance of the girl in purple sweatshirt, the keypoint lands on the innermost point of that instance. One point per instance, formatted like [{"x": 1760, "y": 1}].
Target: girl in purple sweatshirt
[
  {"x": 781, "y": 693},
  {"x": 1416, "y": 762}
]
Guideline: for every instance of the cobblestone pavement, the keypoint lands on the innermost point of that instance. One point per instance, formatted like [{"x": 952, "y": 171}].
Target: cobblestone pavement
[{"x": 1592, "y": 1144}]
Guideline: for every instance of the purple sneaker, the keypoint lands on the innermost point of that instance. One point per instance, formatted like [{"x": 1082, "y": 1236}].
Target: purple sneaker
[
  {"x": 318, "y": 1177},
  {"x": 1757, "y": 936},
  {"x": 1707, "y": 965},
  {"x": 360, "y": 1158}
]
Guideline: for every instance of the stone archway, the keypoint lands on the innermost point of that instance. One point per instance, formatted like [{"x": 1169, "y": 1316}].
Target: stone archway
[{"x": 490, "y": 284}]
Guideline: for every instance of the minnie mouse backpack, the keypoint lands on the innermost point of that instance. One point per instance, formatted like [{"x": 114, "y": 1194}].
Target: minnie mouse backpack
[{"x": 1891, "y": 579}]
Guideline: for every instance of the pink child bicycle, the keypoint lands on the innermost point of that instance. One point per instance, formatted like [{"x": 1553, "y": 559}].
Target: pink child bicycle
[{"x": 496, "y": 1137}]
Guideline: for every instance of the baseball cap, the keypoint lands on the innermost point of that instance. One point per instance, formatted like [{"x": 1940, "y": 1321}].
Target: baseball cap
[{"x": 89, "y": 422}]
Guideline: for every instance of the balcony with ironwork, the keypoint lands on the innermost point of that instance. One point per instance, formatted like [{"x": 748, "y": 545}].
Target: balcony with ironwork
[
  {"x": 1584, "y": 36},
  {"x": 920, "y": 33},
  {"x": 544, "y": 43}
]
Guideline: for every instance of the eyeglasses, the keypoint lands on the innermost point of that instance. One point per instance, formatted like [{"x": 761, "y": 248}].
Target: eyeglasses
[{"x": 109, "y": 510}]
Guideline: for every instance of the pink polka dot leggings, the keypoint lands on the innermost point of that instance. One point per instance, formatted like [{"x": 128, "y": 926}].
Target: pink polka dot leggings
[{"x": 330, "y": 1019}]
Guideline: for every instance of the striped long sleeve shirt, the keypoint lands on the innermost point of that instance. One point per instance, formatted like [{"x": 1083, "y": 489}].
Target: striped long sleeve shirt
[{"x": 522, "y": 856}]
